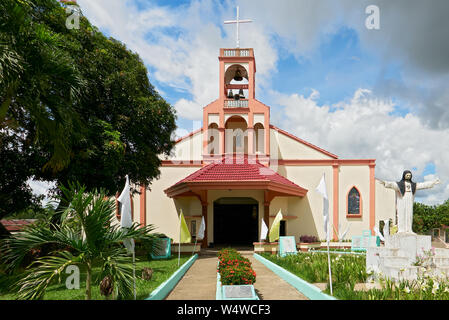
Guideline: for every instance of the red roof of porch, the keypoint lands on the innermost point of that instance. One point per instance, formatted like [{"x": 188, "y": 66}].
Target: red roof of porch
[{"x": 235, "y": 174}]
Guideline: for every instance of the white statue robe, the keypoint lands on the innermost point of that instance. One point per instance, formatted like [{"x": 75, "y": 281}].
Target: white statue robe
[{"x": 404, "y": 204}]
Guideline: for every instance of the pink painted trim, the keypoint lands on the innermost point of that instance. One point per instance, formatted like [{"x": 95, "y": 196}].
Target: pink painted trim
[
  {"x": 189, "y": 135},
  {"x": 181, "y": 163},
  {"x": 143, "y": 206},
  {"x": 335, "y": 200},
  {"x": 354, "y": 215},
  {"x": 372, "y": 198},
  {"x": 325, "y": 162},
  {"x": 304, "y": 142}
]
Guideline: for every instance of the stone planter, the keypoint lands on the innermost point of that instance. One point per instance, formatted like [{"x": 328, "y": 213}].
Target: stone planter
[
  {"x": 186, "y": 248},
  {"x": 238, "y": 292},
  {"x": 305, "y": 246},
  {"x": 267, "y": 247}
]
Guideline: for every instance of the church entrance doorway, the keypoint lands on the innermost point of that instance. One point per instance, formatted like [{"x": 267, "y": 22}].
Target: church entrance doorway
[{"x": 235, "y": 221}]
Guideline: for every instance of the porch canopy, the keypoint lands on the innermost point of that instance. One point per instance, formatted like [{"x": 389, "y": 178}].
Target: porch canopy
[{"x": 235, "y": 174}]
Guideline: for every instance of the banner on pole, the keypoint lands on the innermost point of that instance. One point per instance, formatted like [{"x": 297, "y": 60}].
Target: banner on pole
[
  {"x": 274, "y": 232},
  {"x": 184, "y": 235}
]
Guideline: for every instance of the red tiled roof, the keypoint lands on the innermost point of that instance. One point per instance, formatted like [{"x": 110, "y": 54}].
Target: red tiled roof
[
  {"x": 237, "y": 172},
  {"x": 240, "y": 170},
  {"x": 14, "y": 225}
]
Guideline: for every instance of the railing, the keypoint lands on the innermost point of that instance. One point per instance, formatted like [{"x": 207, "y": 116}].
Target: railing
[
  {"x": 236, "y": 104},
  {"x": 236, "y": 52}
]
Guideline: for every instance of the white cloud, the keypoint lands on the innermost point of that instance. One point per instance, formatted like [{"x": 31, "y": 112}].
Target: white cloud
[
  {"x": 364, "y": 127},
  {"x": 42, "y": 188},
  {"x": 181, "y": 46},
  {"x": 187, "y": 58}
]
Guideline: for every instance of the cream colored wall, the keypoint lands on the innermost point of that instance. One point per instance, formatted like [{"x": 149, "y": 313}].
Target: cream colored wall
[
  {"x": 350, "y": 176},
  {"x": 188, "y": 149},
  {"x": 284, "y": 147},
  {"x": 308, "y": 209},
  {"x": 162, "y": 211},
  {"x": 385, "y": 203}
]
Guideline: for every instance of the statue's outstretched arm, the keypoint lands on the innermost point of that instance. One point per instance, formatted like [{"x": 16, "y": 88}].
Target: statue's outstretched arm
[
  {"x": 426, "y": 184},
  {"x": 390, "y": 184}
]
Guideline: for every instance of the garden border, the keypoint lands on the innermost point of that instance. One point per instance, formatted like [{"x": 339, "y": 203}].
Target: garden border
[
  {"x": 167, "y": 286},
  {"x": 309, "y": 290}
]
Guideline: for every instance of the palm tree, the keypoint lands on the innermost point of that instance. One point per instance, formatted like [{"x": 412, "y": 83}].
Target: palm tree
[{"x": 88, "y": 236}]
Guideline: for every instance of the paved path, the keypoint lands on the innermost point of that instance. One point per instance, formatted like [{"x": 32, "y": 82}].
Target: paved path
[
  {"x": 200, "y": 281},
  {"x": 269, "y": 286}
]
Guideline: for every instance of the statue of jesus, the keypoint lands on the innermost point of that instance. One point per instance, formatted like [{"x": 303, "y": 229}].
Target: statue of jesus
[{"x": 405, "y": 191}]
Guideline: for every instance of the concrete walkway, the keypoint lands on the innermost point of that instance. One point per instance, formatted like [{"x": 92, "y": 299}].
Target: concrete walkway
[{"x": 200, "y": 281}]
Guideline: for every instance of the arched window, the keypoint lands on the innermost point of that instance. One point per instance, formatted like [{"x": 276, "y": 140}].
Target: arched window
[
  {"x": 354, "y": 202},
  {"x": 259, "y": 141},
  {"x": 213, "y": 143}
]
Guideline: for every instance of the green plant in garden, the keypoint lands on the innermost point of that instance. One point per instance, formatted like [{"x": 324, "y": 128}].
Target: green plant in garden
[
  {"x": 313, "y": 267},
  {"x": 88, "y": 236},
  {"x": 348, "y": 270},
  {"x": 234, "y": 269}
]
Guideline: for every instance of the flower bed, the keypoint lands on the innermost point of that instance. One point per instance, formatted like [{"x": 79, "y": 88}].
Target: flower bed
[{"x": 234, "y": 269}]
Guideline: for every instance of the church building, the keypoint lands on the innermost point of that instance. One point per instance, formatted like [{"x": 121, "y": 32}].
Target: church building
[{"x": 240, "y": 169}]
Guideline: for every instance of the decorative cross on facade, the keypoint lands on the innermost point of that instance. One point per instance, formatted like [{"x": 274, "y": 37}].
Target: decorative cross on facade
[{"x": 237, "y": 22}]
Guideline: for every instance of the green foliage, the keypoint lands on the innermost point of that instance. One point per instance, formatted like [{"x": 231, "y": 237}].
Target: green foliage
[
  {"x": 347, "y": 270},
  {"x": 234, "y": 269},
  {"x": 163, "y": 269},
  {"x": 87, "y": 236},
  {"x": 426, "y": 218},
  {"x": 74, "y": 106},
  {"x": 313, "y": 267}
]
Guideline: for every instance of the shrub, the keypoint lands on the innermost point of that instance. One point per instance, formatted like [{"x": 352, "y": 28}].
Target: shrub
[
  {"x": 308, "y": 239},
  {"x": 235, "y": 269}
]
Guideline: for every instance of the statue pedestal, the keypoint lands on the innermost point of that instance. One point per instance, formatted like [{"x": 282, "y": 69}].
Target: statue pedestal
[{"x": 396, "y": 259}]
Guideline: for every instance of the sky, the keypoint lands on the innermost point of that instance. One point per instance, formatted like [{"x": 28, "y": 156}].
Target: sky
[{"x": 353, "y": 91}]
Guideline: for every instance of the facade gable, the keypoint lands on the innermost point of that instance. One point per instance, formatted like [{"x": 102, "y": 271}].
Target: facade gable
[{"x": 286, "y": 146}]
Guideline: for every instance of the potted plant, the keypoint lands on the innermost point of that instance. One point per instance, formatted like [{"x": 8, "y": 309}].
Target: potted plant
[{"x": 308, "y": 242}]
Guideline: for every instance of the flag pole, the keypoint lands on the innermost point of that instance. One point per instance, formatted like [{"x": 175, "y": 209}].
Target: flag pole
[
  {"x": 179, "y": 244},
  {"x": 194, "y": 247},
  {"x": 329, "y": 258},
  {"x": 134, "y": 274}
]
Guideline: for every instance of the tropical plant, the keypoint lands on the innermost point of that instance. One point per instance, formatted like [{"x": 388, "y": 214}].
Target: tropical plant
[
  {"x": 88, "y": 236},
  {"x": 75, "y": 105}
]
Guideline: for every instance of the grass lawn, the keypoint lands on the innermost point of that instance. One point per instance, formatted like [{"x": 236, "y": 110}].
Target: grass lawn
[
  {"x": 163, "y": 269},
  {"x": 348, "y": 270}
]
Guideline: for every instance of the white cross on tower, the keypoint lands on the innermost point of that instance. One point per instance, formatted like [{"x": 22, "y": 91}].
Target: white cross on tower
[{"x": 237, "y": 22}]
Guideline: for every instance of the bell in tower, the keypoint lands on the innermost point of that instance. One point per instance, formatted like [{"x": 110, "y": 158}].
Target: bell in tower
[{"x": 238, "y": 76}]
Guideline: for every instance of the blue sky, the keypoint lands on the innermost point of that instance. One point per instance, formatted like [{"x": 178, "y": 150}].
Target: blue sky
[{"x": 355, "y": 92}]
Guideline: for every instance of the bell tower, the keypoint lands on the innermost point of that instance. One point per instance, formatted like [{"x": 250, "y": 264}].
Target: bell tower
[
  {"x": 236, "y": 123},
  {"x": 237, "y": 75}
]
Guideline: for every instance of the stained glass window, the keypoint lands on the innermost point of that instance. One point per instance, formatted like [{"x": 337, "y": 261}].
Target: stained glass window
[{"x": 354, "y": 201}]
